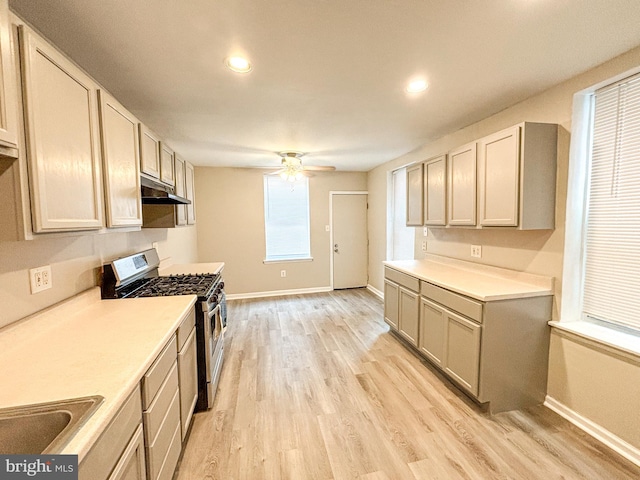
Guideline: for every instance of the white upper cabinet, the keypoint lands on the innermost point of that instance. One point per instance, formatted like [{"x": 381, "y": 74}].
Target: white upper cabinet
[
  {"x": 8, "y": 118},
  {"x": 435, "y": 191},
  {"x": 498, "y": 177},
  {"x": 181, "y": 210},
  {"x": 120, "y": 154},
  {"x": 414, "y": 195},
  {"x": 149, "y": 152},
  {"x": 166, "y": 165},
  {"x": 461, "y": 180},
  {"x": 190, "y": 192},
  {"x": 62, "y": 138},
  {"x": 517, "y": 177}
]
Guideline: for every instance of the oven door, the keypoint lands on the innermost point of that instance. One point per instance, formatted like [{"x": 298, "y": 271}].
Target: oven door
[{"x": 214, "y": 346}]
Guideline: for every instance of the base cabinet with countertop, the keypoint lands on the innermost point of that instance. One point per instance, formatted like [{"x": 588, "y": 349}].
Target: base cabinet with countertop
[
  {"x": 494, "y": 344},
  {"x": 402, "y": 310},
  {"x": 187, "y": 371}
]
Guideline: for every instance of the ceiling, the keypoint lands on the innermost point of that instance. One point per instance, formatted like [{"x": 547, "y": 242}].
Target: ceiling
[{"x": 328, "y": 76}]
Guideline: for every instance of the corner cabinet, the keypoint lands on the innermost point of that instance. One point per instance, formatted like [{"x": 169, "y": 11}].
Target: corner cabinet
[
  {"x": 435, "y": 191},
  {"x": 190, "y": 190},
  {"x": 120, "y": 155},
  {"x": 62, "y": 138},
  {"x": 414, "y": 195},
  {"x": 8, "y": 108},
  {"x": 461, "y": 183},
  {"x": 517, "y": 177}
]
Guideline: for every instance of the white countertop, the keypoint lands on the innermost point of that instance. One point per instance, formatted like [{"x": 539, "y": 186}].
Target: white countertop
[
  {"x": 192, "y": 268},
  {"x": 86, "y": 346},
  {"x": 482, "y": 282}
]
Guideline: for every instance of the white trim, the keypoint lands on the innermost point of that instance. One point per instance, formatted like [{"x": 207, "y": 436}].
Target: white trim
[
  {"x": 376, "y": 292},
  {"x": 331, "y": 194},
  {"x": 277, "y": 293},
  {"x": 601, "y": 434},
  {"x": 287, "y": 260}
]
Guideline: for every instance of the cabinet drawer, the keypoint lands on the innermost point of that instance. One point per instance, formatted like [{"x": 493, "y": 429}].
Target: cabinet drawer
[
  {"x": 464, "y": 305},
  {"x": 155, "y": 414},
  {"x": 102, "y": 458},
  {"x": 157, "y": 451},
  {"x": 184, "y": 330},
  {"x": 171, "y": 459},
  {"x": 155, "y": 376},
  {"x": 407, "y": 281}
]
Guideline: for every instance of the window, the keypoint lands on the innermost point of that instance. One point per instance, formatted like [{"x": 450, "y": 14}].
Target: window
[
  {"x": 402, "y": 237},
  {"x": 611, "y": 240},
  {"x": 286, "y": 219}
]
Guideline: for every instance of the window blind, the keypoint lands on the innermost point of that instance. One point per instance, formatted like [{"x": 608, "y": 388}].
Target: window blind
[
  {"x": 402, "y": 236},
  {"x": 286, "y": 214},
  {"x": 612, "y": 241}
]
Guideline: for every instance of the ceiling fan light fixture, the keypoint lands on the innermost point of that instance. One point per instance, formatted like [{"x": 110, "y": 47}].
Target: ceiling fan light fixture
[{"x": 238, "y": 64}]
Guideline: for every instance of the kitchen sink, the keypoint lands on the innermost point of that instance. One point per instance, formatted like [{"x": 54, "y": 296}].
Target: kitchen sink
[{"x": 44, "y": 427}]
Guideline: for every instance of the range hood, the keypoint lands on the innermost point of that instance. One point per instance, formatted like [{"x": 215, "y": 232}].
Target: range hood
[{"x": 156, "y": 193}]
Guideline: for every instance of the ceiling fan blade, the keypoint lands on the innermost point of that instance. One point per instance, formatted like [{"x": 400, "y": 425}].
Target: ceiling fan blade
[{"x": 319, "y": 168}]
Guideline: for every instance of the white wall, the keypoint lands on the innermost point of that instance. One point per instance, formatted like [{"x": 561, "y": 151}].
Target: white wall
[
  {"x": 230, "y": 216},
  {"x": 75, "y": 264}
]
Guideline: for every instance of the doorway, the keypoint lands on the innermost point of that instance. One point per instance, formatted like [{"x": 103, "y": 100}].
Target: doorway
[{"x": 349, "y": 240}]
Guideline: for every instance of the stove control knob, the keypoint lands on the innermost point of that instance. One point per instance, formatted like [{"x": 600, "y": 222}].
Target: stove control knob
[{"x": 221, "y": 285}]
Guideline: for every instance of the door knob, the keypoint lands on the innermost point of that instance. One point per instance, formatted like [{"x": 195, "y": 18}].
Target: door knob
[{"x": 335, "y": 248}]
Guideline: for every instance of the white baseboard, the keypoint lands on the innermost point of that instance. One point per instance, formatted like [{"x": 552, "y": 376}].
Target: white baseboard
[
  {"x": 612, "y": 441},
  {"x": 277, "y": 293},
  {"x": 376, "y": 292}
]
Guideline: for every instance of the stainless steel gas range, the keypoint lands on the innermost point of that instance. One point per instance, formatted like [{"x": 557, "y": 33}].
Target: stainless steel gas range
[{"x": 137, "y": 276}]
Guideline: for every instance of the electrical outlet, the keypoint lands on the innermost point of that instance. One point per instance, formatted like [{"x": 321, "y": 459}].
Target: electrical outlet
[
  {"x": 40, "y": 278},
  {"x": 424, "y": 245},
  {"x": 283, "y": 273},
  {"x": 154, "y": 245},
  {"x": 476, "y": 251}
]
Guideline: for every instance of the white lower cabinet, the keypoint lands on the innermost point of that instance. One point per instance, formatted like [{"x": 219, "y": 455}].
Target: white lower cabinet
[
  {"x": 161, "y": 416},
  {"x": 452, "y": 342},
  {"x": 391, "y": 297},
  {"x": 187, "y": 372},
  {"x": 408, "y": 315},
  {"x": 119, "y": 452},
  {"x": 132, "y": 465}
]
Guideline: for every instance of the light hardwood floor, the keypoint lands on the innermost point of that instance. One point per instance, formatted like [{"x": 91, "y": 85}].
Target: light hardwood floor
[{"x": 315, "y": 387}]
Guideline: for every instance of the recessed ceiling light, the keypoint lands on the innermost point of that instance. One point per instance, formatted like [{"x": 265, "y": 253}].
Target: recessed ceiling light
[
  {"x": 417, "y": 86},
  {"x": 238, "y": 64}
]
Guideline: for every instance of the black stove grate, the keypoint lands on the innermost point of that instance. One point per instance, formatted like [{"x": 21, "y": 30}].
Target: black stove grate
[{"x": 200, "y": 285}]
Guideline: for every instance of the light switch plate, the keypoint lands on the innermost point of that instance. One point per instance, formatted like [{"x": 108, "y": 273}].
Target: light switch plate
[{"x": 425, "y": 231}]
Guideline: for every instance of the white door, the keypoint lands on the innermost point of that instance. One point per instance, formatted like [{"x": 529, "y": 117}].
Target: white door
[{"x": 350, "y": 249}]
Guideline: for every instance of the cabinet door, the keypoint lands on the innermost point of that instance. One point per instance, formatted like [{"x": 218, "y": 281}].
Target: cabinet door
[
  {"x": 149, "y": 152},
  {"x": 435, "y": 191},
  {"x": 462, "y": 351},
  {"x": 414, "y": 195},
  {"x": 120, "y": 161},
  {"x": 433, "y": 322},
  {"x": 8, "y": 118},
  {"x": 166, "y": 165},
  {"x": 408, "y": 315},
  {"x": 391, "y": 298},
  {"x": 499, "y": 178},
  {"x": 62, "y": 135},
  {"x": 188, "y": 378},
  {"x": 461, "y": 208},
  {"x": 131, "y": 465},
  {"x": 181, "y": 210},
  {"x": 191, "y": 193}
]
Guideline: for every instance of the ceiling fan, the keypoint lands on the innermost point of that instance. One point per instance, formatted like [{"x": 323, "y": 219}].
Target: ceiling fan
[{"x": 292, "y": 168}]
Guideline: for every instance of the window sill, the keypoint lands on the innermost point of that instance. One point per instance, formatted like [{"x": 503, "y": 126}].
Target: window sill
[
  {"x": 626, "y": 342},
  {"x": 287, "y": 260}
]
